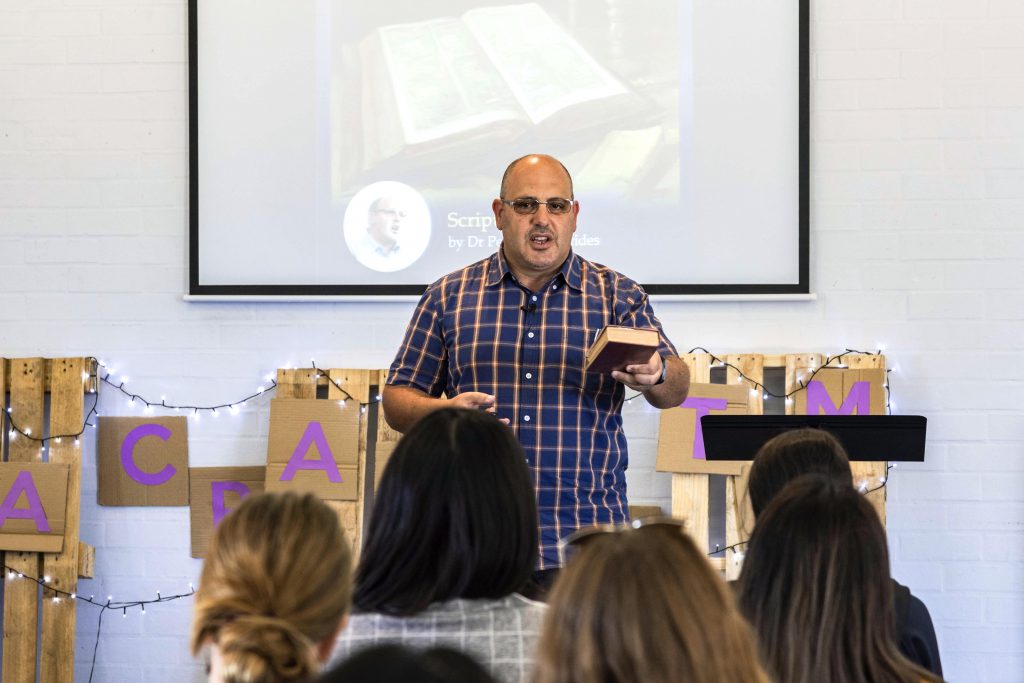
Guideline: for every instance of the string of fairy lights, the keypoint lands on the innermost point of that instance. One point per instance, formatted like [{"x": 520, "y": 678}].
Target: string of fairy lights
[
  {"x": 56, "y": 595},
  {"x": 757, "y": 387},
  {"x": 108, "y": 376}
]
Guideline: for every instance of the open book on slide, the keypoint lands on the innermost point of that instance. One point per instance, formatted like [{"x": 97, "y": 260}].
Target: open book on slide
[
  {"x": 617, "y": 346},
  {"x": 492, "y": 75}
]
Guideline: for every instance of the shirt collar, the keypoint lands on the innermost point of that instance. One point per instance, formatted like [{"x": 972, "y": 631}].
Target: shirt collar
[{"x": 571, "y": 271}]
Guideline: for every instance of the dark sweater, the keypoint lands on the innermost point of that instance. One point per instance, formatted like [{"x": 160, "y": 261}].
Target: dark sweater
[{"x": 914, "y": 626}]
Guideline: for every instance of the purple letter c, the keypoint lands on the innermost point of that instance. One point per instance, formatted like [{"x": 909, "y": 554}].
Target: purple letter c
[{"x": 128, "y": 462}]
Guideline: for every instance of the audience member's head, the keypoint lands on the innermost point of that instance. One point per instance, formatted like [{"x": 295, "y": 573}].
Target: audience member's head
[
  {"x": 815, "y": 586},
  {"x": 454, "y": 517},
  {"x": 644, "y": 605},
  {"x": 391, "y": 663},
  {"x": 274, "y": 591},
  {"x": 790, "y": 455}
]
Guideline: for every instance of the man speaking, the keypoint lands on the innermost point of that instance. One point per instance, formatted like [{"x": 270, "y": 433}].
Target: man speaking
[{"x": 510, "y": 333}]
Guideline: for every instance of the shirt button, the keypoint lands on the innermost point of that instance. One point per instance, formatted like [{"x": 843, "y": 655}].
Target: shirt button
[
  {"x": 530, "y": 335},
  {"x": 526, "y": 418},
  {"x": 534, "y": 297},
  {"x": 554, "y": 286},
  {"x": 529, "y": 375}
]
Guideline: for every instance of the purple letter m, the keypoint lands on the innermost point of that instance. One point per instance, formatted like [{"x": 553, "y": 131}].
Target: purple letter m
[{"x": 819, "y": 400}]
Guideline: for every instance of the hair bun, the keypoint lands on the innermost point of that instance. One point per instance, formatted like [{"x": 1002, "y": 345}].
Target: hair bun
[{"x": 263, "y": 649}]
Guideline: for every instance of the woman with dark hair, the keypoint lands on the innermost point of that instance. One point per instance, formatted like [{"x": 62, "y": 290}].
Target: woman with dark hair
[
  {"x": 814, "y": 451},
  {"x": 815, "y": 586},
  {"x": 452, "y": 537},
  {"x": 643, "y": 605}
]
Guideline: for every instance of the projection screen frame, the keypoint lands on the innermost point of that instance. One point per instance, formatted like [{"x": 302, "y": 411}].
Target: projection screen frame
[{"x": 374, "y": 292}]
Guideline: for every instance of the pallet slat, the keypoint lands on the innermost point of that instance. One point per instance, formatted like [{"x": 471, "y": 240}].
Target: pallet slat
[
  {"x": 67, "y": 409},
  {"x": 20, "y": 602}
]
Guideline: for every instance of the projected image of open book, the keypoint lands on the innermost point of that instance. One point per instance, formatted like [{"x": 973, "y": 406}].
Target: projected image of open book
[{"x": 491, "y": 76}]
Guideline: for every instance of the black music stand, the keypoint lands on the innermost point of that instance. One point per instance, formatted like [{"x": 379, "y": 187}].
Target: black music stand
[{"x": 894, "y": 438}]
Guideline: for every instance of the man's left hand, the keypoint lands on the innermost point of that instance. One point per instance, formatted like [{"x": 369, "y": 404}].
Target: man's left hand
[{"x": 641, "y": 377}]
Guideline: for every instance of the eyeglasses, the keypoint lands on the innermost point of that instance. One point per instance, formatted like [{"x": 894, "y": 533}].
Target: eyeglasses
[
  {"x": 529, "y": 205},
  {"x": 571, "y": 545}
]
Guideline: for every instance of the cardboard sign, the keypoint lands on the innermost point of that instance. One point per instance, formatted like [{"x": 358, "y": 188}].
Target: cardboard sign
[
  {"x": 680, "y": 443},
  {"x": 313, "y": 446},
  {"x": 33, "y": 504},
  {"x": 143, "y": 461},
  {"x": 843, "y": 392},
  {"x": 216, "y": 491}
]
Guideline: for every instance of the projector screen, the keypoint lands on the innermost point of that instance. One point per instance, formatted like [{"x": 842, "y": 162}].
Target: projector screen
[{"x": 354, "y": 148}]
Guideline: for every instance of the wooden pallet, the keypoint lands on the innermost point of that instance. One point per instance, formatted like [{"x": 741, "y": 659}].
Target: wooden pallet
[
  {"x": 690, "y": 492},
  {"x": 362, "y": 385},
  {"x": 28, "y": 381}
]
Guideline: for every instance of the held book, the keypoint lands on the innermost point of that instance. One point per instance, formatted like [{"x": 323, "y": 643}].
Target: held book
[{"x": 618, "y": 346}]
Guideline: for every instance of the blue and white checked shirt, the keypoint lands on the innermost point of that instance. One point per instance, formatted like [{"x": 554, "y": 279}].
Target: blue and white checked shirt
[{"x": 478, "y": 329}]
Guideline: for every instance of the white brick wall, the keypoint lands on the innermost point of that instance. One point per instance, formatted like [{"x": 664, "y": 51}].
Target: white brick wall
[{"x": 918, "y": 242}]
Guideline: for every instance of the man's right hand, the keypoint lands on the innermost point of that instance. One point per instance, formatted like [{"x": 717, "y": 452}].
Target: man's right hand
[
  {"x": 403, "y": 406},
  {"x": 475, "y": 400}
]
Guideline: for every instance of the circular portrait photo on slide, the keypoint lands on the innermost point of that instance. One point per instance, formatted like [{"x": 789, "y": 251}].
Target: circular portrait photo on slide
[{"x": 387, "y": 226}]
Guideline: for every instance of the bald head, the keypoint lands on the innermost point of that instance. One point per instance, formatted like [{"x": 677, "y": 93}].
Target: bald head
[{"x": 533, "y": 160}]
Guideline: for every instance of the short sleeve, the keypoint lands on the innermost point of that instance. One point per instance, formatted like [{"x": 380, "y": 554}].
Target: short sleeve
[
  {"x": 633, "y": 309},
  {"x": 422, "y": 359}
]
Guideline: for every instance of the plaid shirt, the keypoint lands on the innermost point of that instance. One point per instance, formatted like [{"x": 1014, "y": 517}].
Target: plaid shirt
[
  {"x": 500, "y": 634},
  {"x": 478, "y": 329}
]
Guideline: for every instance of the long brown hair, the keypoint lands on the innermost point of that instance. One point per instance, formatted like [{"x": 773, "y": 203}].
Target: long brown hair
[
  {"x": 644, "y": 606},
  {"x": 275, "y": 584},
  {"x": 815, "y": 586}
]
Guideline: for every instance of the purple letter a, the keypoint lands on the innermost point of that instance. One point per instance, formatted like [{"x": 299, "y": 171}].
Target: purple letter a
[
  {"x": 23, "y": 483},
  {"x": 314, "y": 434}
]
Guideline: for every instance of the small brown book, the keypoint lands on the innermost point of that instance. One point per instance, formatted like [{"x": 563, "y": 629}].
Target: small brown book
[{"x": 617, "y": 346}]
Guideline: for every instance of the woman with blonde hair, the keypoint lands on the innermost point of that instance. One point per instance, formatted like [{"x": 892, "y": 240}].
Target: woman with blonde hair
[
  {"x": 641, "y": 604},
  {"x": 274, "y": 592}
]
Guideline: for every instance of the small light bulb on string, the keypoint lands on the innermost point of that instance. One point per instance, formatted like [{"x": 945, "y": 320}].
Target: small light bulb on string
[
  {"x": 215, "y": 413},
  {"x": 753, "y": 392},
  {"x": 862, "y": 486},
  {"x": 379, "y": 397},
  {"x": 85, "y": 376},
  {"x": 124, "y": 379},
  {"x": 233, "y": 409},
  {"x": 341, "y": 403},
  {"x": 260, "y": 389},
  {"x": 28, "y": 431}
]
